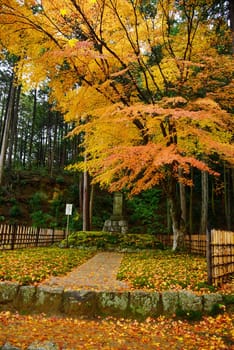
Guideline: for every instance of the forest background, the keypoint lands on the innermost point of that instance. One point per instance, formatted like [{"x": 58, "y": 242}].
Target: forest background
[{"x": 137, "y": 94}]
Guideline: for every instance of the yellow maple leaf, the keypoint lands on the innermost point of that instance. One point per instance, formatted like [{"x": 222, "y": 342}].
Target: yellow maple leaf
[
  {"x": 63, "y": 12},
  {"x": 72, "y": 42}
]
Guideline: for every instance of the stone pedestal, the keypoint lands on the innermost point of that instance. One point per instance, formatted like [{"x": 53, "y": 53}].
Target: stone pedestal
[
  {"x": 117, "y": 222},
  {"x": 116, "y": 226}
]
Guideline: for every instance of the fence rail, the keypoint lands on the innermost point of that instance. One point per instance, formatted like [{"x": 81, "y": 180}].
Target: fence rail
[
  {"x": 194, "y": 243},
  {"x": 217, "y": 246},
  {"x": 15, "y": 236}
]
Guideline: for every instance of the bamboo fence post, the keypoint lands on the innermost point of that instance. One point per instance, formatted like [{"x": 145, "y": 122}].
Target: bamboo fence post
[{"x": 209, "y": 256}]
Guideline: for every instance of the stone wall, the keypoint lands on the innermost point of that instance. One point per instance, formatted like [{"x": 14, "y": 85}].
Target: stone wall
[{"x": 133, "y": 304}]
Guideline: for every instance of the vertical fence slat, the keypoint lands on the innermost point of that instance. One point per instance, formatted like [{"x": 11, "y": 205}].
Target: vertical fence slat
[{"x": 209, "y": 256}]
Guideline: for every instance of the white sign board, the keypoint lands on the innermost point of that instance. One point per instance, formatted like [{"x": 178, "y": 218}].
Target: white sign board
[{"x": 68, "y": 209}]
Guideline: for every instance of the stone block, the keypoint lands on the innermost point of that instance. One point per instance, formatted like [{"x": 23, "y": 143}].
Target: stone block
[
  {"x": 43, "y": 346},
  {"x": 49, "y": 300},
  {"x": 25, "y": 298},
  {"x": 8, "y": 346},
  {"x": 170, "y": 302},
  {"x": 210, "y": 300},
  {"x": 189, "y": 301},
  {"x": 144, "y": 304},
  {"x": 79, "y": 303},
  {"x": 113, "y": 303},
  {"x": 8, "y": 291}
]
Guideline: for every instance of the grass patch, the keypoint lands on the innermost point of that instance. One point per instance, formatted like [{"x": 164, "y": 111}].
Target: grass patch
[
  {"x": 163, "y": 270},
  {"x": 31, "y": 266}
]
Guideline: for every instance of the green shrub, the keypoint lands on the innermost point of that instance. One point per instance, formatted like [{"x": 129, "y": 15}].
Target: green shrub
[
  {"x": 13, "y": 201},
  {"x": 217, "y": 309},
  {"x": 15, "y": 211},
  {"x": 144, "y": 211},
  {"x": 60, "y": 179},
  {"x": 190, "y": 315},
  {"x": 107, "y": 240},
  {"x": 40, "y": 219},
  {"x": 37, "y": 200}
]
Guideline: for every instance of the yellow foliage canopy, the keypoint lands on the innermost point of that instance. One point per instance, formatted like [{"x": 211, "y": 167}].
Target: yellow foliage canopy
[{"x": 129, "y": 74}]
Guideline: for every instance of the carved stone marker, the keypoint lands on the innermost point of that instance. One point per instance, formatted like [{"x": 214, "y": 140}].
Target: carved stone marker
[
  {"x": 117, "y": 206},
  {"x": 117, "y": 222}
]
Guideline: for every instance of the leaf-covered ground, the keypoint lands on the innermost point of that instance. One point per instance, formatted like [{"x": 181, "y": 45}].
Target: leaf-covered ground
[
  {"x": 156, "y": 270},
  {"x": 159, "y": 270},
  {"x": 159, "y": 334},
  {"x": 30, "y": 266},
  {"x": 162, "y": 270}
]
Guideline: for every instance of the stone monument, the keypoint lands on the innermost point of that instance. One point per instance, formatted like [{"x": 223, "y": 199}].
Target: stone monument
[{"x": 117, "y": 222}]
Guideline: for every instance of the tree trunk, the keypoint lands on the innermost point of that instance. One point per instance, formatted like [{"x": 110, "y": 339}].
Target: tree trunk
[
  {"x": 231, "y": 17},
  {"x": 191, "y": 205},
  {"x": 85, "y": 215},
  {"x": 227, "y": 196},
  {"x": 213, "y": 197},
  {"x": 168, "y": 217},
  {"x": 204, "y": 204},
  {"x": 182, "y": 199},
  {"x": 12, "y": 149},
  {"x": 178, "y": 226},
  {"x": 33, "y": 126},
  {"x": 5, "y": 135},
  {"x": 91, "y": 199}
]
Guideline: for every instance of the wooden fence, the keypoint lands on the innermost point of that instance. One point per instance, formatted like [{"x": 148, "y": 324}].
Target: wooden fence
[
  {"x": 221, "y": 256},
  {"x": 217, "y": 246},
  {"x": 15, "y": 236},
  {"x": 194, "y": 243}
]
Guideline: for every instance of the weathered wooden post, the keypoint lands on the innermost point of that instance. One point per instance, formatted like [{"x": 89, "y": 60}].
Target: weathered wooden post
[{"x": 209, "y": 255}]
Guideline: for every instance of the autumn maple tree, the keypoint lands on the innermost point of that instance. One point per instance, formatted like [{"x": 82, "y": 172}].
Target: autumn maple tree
[{"x": 149, "y": 83}]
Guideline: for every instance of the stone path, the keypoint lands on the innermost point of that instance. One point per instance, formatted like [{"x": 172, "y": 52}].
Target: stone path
[{"x": 98, "y": 273}]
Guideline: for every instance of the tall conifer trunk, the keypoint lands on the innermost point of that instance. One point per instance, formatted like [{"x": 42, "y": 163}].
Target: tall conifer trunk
[
  {"x": 204, "y": 204},
  {"x": 231, "y": 17},
  {"x": 86, "y": 208},
  {"x": 34, "y": 114},
  {"x": 7, "y": 123}
]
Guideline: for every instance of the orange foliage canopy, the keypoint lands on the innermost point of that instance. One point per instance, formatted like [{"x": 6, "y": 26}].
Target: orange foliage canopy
[{"x": 145, "y": 81}]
